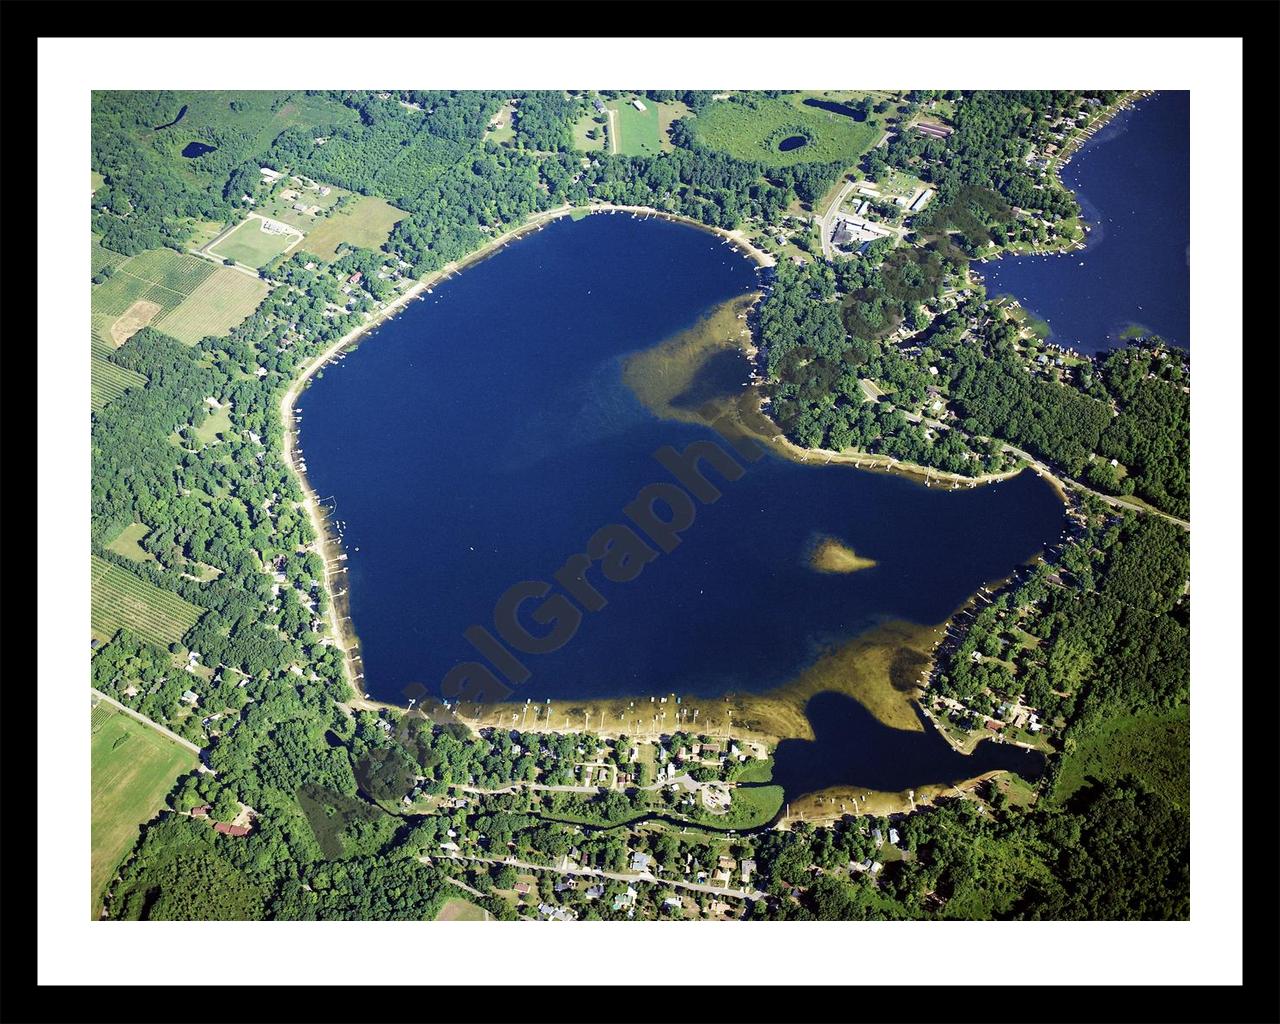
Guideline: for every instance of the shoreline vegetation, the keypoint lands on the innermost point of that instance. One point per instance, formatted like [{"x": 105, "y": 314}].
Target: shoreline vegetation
[{"x": 1059, "y": 161}]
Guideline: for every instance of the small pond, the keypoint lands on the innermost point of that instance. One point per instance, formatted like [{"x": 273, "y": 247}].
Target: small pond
[
  {"x": 181, "y": 114},
  {"x": 792, "y": 142},
  {"x": 194, "y": 149}
]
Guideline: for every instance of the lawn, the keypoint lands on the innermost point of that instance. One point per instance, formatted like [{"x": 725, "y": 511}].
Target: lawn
[
  {"x": 218, "y": 421},
  {"x": 754, "y": 132},
  {"x": 895, "y": 183},
  {"x": 461, "y": 910},
  {"x": 584, "y": 125},
  {"x": 366, "y": 223},
  {"x": 505, "y": 132},
  {"x": 126, "y": 543},
  {"x": 133, "y": 769},
  {"x": 107, "y": 382},
  {"x": 750, "y": 807},
  {"x": 221, "y": 302},
  {"x": 639, "y": 131},
  {"x": 277, "y": 207},
  {"x": 253, "y": 246},
  {"x": 119, "y": 598}
]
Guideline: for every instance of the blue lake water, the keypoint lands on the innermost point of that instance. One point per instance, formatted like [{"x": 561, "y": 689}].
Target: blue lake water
[
  {"x": 850, "y": 748},
  {"x": 1133, "y": 181},
  {"x": 479, "y": 440}
]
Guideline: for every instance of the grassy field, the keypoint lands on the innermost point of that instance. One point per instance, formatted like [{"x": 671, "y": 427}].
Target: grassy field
[
  {"x": 639, "y": 131},
  {"x": 126, "y": 543},
  {"x": 107, "y": 382},
  {"x": 250, "y": 245},
  {"x": 366, "y": 224},
  {"x": 1155, "y": 748},
  {"x": 753, "y": 132},
  {"x": 217, "y": 305},
  {"x": 461, "y": 910},
  {"x": 133, "y": 768},
  {"x": 119, "y": 598}
]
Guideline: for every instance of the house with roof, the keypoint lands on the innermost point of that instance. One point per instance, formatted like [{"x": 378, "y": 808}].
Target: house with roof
[
  {"x": 626, "y": 899},
  {"x": 639, "y": 862}
]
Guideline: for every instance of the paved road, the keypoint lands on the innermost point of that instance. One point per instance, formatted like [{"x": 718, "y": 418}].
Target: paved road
[
  {"x": 824, "y": 225},
  {"x": 145, "y": 720}
]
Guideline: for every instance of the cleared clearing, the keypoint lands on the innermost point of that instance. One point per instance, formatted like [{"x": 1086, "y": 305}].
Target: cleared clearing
[
  {"x": 133, "y": 769},
  {"x": 136, "y": 317},
  {"x": 366, "y": 224},
  {"x": 126, "y": 543},
  {"x": 218, "y": 304},
  {"x": 461, "y": 910},
  {"x": 119, "y": 598}
]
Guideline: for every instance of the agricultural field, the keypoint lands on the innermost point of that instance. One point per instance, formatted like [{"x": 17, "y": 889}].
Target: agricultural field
[
  {"x": 126, "y": 543},
  {"x": 251, "y": 245},
  {"x": 133, "y": 769},
  {"x": 220, "y": 303},
  {"x": 366, "y": 223},
  {"x": 107, "y": 382},
  {"x": 142, "y": 290},
  {"x": 100, "y": 257},
  {"x": 754, "y": 132},
  {"x": 119, "y": 598}
]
